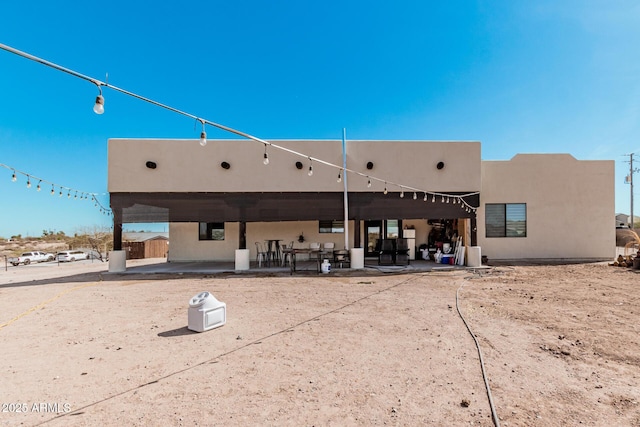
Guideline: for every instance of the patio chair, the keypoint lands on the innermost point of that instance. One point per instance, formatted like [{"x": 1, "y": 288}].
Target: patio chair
[
  {"x": 327, "y": 250},
  {"x": 287, "y": 252},
  {"x": 261, "y": 255},
  {"x": 314, "y": 250},
  {"x": 341, "y": 258},
  {"x": 387, "y": 254},
  {"x": 402, "y": 251}
]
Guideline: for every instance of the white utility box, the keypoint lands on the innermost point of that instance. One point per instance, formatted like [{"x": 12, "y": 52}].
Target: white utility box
[{"x": 206, "y": 312}]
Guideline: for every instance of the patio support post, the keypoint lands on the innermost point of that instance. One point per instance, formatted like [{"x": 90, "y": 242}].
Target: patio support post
[
  {"x": 346, "y": 189},
  {"x": 117, "y": 235},
  {"x": 242, "y": 238},
  {"x": 474, "y": 231}
]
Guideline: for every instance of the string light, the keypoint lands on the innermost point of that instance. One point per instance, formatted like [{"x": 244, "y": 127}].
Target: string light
[
  {"x": 425, "y": 197},
  {"x": 310, "y": 167},
  {"x": 369, "y": 183},
  {"x": 340, "y": 176},
  {"x": 31, "y": 178},
  {"x": 415, "y": 196},
  {"x": 402, "y": 194},
  {"x": 98, "y": 107},
  {"x": 203, "y": 134},
  {"x": 60, "y": 195},
  {"x": 266, "y": 156},
  {"x": 433, "y": 198},
  {"x": 385, "y": 188}
]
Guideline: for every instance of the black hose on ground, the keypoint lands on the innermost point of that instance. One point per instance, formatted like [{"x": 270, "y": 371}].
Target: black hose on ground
[{"x": 494, "y": 414}]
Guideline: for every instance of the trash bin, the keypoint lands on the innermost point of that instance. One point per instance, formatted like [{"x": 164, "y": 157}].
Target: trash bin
[{"x": 206, "y": 312}]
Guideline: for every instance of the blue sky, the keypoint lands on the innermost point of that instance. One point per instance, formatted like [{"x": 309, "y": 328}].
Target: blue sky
[{"x": 543, "y": 76}]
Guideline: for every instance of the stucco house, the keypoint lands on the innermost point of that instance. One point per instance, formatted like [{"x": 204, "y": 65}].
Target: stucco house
[{"x": 222, "y": 197}]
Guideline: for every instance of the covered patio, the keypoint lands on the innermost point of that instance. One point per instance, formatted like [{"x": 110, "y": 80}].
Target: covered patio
[{"x": 243, "y": 208}]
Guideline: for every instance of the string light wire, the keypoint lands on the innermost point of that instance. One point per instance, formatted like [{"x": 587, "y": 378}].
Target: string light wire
[
  {"x": 100, "y": 84},
  {"x": 69, "y": 190}
]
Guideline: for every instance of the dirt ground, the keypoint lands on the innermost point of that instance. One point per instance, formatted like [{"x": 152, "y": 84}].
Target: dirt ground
[{"x": 560, "y": 346}]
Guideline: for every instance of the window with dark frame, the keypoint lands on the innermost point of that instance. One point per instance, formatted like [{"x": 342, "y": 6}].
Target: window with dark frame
[
  {"x": 506, "y": 220},
  {"x": 331, "y": 226},
  {"x": 211, "y": 231}
]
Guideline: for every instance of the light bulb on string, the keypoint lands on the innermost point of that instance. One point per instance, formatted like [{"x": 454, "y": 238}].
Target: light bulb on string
[
  {"x": 425, "y": 197},
  {"x": 433, "y": 198},
  {"x": 76, "y": 195},
  {"x": 447, "y": 199},
  {"x": 442, "y": 201},
  {"x": 369, "y": 183},
  {"x": 415, "y": 196},
  {"x": 385, "y": 189},
  {"x": 14, "y": 178},
  {"x": 38, "y": 187},
  {"x": 402, "y": 193},
  {"x": 28, "y": 182},
  {"x": 340, "y": 176},
  {"x": 98, "y": 107},
  {"x": 266, "y": 156},
  {"x": 60, "y": 195},
  {"x": 203, "y": 135},
  {"x": 310, "y": 173},
  {"x": 52, "y": 190},
  {"x": 68, "y": 194}
]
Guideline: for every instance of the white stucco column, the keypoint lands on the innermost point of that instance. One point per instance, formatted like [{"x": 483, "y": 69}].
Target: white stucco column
[
  {"x": 357, "y": 257},
  {"x": 242, "y": 259},
  {"x": 117, "y": 261},
  {"x": 474, "y": 256}
]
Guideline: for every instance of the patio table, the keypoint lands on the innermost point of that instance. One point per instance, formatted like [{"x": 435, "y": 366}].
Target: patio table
[{"x": 312, "y": 254}]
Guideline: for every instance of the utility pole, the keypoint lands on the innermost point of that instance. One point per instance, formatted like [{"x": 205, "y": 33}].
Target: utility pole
[{"x": 629, "y": 180}]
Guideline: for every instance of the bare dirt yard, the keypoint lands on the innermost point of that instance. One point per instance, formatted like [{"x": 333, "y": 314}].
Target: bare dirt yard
[{"x": 560, "y": 346}]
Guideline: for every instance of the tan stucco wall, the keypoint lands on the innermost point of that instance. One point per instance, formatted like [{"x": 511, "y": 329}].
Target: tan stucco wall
[
  {"x": 185, "y": 166},
  {"x": 185, "y": 245},
  {"x": 570, "y": 203},
  {"x": 570, "y": 207}
]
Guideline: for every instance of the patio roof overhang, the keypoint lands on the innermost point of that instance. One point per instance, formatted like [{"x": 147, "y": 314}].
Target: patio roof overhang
[{"x": 289, "y": 206}]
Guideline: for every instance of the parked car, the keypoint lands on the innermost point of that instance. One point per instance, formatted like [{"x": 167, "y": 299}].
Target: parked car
[
  {"x": 28, "y": 257},
  {"x": 70, "y": 256}
]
